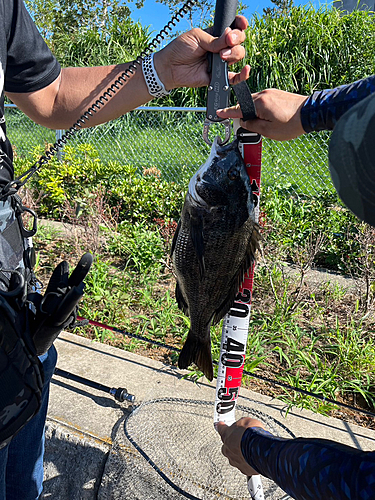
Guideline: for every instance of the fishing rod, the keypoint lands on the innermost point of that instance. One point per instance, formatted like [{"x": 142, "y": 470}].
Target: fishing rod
[
  {"x": 271, "y": 381},
  {"x": 120, "y": 394}
]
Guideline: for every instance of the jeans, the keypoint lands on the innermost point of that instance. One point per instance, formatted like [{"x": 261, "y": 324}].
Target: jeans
[{"x": 21, "y": 461}]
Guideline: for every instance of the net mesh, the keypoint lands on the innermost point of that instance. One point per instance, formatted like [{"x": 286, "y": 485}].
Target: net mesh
[{"x": 167, "y": 448}]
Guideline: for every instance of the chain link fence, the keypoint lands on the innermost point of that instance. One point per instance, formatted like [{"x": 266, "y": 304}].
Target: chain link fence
[{"x": 170, "y": 139}]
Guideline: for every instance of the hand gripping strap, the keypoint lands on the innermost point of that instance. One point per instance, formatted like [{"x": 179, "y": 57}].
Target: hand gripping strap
[{"x": 245, "y": 100}]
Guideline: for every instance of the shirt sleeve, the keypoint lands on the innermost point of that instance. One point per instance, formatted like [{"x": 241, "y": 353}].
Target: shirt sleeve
[
  {"x": 323, "y": 108},
  {"x": 30, "y": 64},
  {"x": 308, "y": 469}
]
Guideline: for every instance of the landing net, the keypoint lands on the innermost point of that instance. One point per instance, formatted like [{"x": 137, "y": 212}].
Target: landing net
[{"x": 167, "y": 449}]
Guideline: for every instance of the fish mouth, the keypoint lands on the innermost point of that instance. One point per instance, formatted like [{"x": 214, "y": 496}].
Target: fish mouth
[
  {"x": 193, "y": 193},
  {"x": 216, "y": 150},
  {"x": 215, "y": 190},
  {"x": 226, "y": 147}
]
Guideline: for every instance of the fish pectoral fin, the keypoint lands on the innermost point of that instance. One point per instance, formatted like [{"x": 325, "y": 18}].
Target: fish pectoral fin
[
  {"x": 227, "y": 303},
  {"x": 197, "y": 239},
  {"x": 249, "y": 259},
  {"x": 250, "y": 256},
  {"x": 175, "y": 236},
  {"x": 181, "y": 302}
]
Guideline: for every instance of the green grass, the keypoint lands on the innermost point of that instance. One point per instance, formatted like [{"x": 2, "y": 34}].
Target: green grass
[{"x": 318, "y": 338}]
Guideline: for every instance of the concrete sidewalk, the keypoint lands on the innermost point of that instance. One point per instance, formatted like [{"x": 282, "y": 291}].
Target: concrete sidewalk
[{"x": 88, "y": 455}]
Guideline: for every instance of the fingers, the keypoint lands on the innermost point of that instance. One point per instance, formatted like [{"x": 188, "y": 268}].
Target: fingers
[
  {"x": 241, "y": 23},
  {"x": 257, "y": 126},
  {"x": 222, "y": 429},
  {"x": 233, "y": 112},
  {"x": 232, "y": 55},
  {"x": 235, "y": 78},
  {"x": 231, "y": 448},
  {"x": 231, "y": 39}
]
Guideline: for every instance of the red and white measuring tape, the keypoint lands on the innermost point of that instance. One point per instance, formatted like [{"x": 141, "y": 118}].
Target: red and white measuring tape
[{"x": 236, "y": 322}]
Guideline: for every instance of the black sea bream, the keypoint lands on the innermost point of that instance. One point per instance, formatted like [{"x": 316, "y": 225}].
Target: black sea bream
[{"x": 213, "y": 247}]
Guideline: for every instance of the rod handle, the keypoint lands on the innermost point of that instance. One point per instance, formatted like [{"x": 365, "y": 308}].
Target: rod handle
[{"x": 225, "y": 12}]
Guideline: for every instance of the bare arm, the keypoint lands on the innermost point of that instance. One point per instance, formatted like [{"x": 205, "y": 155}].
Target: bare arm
[
  {"x": 62, "y": 102},
  {"x": 180, "y": 63}
]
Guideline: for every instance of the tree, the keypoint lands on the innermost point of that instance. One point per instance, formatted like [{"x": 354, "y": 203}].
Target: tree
[
  {"x": 281, "y": 7},
  {"x": 67, "y": 16},
  {"x": 89, "y": 32},
  {"x": 201, "y": 15}
]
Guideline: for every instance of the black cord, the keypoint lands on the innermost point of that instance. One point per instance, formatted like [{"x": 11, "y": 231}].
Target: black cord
[
  {"x": 13, "y": 186},
  {"x": 260, "y": 377}
]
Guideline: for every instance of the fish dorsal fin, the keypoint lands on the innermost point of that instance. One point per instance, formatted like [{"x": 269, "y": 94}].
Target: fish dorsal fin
[
  {"x": 196, "y": 234},
  {"x": 237, "y": 280}
]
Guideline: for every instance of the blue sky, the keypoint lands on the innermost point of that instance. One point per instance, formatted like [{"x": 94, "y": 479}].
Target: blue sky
[{"x": 157, "y": 15}]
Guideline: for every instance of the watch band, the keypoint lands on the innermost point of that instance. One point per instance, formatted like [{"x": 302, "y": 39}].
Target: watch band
[{"x": 154, "y": 85}]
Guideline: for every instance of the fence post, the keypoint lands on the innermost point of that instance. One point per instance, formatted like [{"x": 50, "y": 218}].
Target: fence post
[{"x": 59, "y": 153}]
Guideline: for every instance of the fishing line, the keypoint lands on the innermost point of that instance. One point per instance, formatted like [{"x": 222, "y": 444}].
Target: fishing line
[{"x": 255, "y": 375}]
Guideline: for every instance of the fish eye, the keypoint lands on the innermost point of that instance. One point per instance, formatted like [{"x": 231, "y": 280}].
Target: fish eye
[{"x": 233, "y": 174}]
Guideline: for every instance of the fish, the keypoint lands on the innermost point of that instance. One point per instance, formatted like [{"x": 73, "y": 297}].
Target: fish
[{"x": 214, "y": 245}]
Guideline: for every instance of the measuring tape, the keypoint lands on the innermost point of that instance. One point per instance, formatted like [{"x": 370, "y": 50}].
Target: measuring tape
[{"x": 236, "y": 321}]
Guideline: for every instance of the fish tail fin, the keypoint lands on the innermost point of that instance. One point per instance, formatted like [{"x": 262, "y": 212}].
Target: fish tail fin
[{"x": 199, "y": 352}]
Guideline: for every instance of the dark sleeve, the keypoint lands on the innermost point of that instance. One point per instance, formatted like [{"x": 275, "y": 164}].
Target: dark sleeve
[
  {"x": 308, "y": 469},
  {"x": 323, "y": 108},
  {"x": 30, "y": 64}
]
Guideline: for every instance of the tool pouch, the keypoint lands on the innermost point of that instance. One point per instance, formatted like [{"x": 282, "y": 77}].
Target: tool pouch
[
  {"x": 21, "y": 373},
  {"x": 29, "y": 322}
]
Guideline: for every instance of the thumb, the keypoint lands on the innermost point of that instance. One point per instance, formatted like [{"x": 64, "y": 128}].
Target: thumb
[
  {"x": 232, "y": 112},
  {"x": 222, "y": 429}
]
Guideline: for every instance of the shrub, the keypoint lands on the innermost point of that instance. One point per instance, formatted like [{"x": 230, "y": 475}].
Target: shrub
[
  {"x": 291, "y": 223},
  {"x": 138, "y": 198}
]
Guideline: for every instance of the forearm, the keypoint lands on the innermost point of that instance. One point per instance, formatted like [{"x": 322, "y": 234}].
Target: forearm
[
  {"x": 311, "y": 468},
  {"x": 62, "y": 103},
  {"x": 323, "y": 108},
  {"x": 182, "y": 63}
]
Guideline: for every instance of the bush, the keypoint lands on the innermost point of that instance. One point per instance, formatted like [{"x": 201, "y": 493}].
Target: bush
[
  {"x": 138, "y": 199},
  {"x": 140, "y": 247},
  {"x": 294, "y": 223}
]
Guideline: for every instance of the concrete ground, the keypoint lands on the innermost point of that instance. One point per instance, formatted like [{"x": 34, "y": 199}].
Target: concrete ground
[{"x": 97, "y": 448}]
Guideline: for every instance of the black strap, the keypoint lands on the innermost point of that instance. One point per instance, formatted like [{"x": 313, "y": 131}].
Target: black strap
[{"x": 245, "y": 100}]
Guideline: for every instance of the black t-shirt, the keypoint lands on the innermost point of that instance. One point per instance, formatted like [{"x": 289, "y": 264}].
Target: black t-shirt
[{"x": 26, "y": 65}]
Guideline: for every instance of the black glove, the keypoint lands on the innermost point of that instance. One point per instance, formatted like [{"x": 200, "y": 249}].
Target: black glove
[{"x": 57, "y": 309}]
